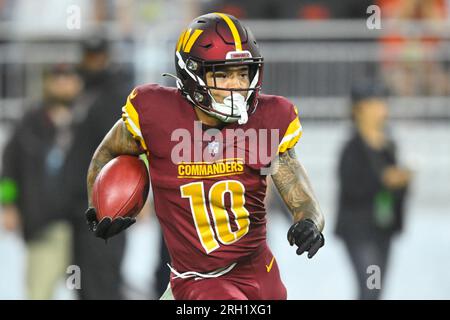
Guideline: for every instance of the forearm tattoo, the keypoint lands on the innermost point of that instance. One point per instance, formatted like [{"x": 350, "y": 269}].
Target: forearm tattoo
[
  {"x": 118, "y": 141},
  {"x": 293, "y": 184}
]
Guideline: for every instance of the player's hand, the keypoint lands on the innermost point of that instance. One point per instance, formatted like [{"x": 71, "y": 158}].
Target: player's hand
[
  {"x": 107, "y": 227},
  {"x": 305, "y": 235}
]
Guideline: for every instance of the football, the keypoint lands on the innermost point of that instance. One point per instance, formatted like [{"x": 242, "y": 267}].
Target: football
[{"x": 121, "y": 188}]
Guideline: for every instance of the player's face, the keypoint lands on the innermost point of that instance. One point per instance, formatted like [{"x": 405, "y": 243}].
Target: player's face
[{"x": 236, "y": 77}]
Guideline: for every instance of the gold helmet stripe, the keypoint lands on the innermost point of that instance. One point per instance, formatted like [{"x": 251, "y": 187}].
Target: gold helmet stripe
[
  {"x": 234, "y": 31},
  {"x": 186, "y": 37},
  {"x": 187, "y": 40},
  {"x": 192, "y": 40}
]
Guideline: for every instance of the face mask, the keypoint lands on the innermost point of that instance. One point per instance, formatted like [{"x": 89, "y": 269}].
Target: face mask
[{"x": 235, "y": 105}]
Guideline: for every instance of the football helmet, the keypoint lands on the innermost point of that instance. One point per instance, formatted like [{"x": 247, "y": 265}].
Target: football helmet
[{"x": 211, "y": 42}]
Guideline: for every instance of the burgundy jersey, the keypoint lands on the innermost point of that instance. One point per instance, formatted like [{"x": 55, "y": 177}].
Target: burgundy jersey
[{"x": 209, "y": 184}]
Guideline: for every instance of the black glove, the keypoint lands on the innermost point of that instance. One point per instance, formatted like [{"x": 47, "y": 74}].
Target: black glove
[
  {"x": 107, "y": 227},
  {"x": 306, "y": 236}
]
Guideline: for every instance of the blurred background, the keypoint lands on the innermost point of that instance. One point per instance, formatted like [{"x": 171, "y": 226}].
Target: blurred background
[{"x": 67, "y": 66}]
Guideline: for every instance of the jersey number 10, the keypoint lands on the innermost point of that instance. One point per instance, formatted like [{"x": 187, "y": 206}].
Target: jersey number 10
[{"x": 221, "y": 232}]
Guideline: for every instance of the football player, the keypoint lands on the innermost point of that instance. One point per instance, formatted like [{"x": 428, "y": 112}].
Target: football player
[{"x": 212, "y": 213}]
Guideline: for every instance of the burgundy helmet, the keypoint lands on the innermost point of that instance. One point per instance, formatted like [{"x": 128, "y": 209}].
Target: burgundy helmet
[{"x": 212, "y": 41}]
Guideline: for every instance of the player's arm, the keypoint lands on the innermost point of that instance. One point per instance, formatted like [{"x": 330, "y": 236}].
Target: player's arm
[
  {"x": 295, "y": 189},
  {"x": 118, "y": 141}
]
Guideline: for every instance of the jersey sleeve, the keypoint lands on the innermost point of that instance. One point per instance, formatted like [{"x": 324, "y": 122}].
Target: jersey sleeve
[
  {"x": 130, "y": 116},
  {"x": 292, "y": 129}
]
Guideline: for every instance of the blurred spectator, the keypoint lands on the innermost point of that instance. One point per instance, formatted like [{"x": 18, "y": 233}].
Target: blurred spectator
[
  {"x": 411, "y": 57},
  {"x": 291, "y": 9},
  {"x": 162, "y": 271},
  {"x": 99, "y": 107},
  {"x": 372, "y": 188},
  {"x": 57, "y": 12},
  {"x": 255, "y": 9},
  {"x": 32, "y": 185},
  {"x": 330, "y": 9},
  {"x": 350, "y": 9},
  {"x": 6, "y": 9}
]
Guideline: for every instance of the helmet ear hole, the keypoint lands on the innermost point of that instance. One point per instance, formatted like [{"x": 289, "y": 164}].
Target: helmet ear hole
[
  {"x": 192, "y": 65},
  {"x": 198, "y": 97}
]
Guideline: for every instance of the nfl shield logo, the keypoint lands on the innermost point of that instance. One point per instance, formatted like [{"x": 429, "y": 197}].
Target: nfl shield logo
[{"x": 213, "y": 148}]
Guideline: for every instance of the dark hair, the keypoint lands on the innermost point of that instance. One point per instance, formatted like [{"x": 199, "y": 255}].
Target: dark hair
[
  {"x": 59, "y": 69},
  {"x": 365, "y": 90},
  {"x": 95, "y": 44}
]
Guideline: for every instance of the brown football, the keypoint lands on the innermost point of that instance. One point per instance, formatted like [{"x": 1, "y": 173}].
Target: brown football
[{"x": 121, "y": 188}]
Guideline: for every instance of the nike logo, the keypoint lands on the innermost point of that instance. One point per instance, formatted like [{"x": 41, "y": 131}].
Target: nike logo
[{"x": 269, "y": 267}]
